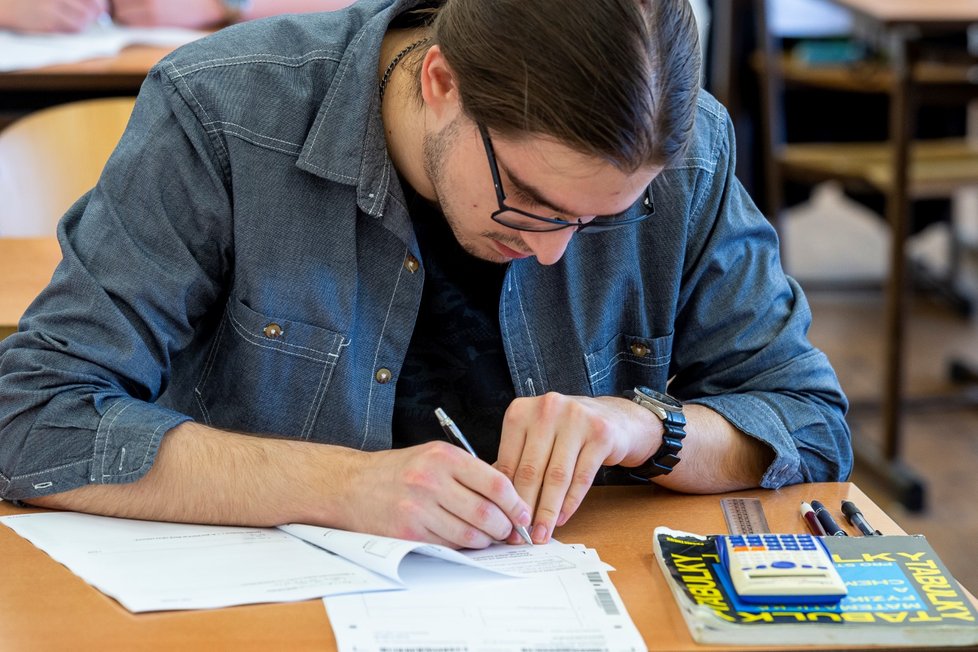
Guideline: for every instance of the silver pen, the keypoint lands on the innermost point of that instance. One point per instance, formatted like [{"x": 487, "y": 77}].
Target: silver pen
[{"x": 457, "y": 438}]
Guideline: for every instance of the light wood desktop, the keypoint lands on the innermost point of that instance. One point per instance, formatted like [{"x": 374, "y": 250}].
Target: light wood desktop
[
  {"x": 26, "y": 266},
  {"x": 44, "y": 607},
  {"x": 121, "y": 74}
]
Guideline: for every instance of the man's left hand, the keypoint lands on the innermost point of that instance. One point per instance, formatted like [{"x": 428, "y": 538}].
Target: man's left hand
[{"x": 553, "y": 445}]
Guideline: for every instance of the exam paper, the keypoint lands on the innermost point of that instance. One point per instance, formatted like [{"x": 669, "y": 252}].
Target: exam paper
[
  {"x": 567, "y": 611},
  {"x": 153, "y": 566},
  {"x": 413, "y": 563},
  {"x": 25, "y": 51}
]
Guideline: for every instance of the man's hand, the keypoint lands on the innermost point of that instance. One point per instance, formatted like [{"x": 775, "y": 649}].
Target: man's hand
[
  {"x": 193, "y": 14},
  {"x": 552, "y": 446},
  {"x": 434, "y": 492},
  {"x": 50, "y": 15}
]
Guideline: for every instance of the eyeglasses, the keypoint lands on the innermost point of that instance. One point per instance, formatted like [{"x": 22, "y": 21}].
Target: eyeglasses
[{"x": 521, "y": 220}]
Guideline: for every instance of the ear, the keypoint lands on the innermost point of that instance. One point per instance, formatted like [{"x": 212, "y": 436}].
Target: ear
[{"x": 438, "y": 85}]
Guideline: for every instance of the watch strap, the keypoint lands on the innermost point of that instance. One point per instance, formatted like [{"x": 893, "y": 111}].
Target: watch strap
[{"x": 667, "y": 456}]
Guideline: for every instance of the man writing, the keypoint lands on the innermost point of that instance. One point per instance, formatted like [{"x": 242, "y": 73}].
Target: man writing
[{"x": 319, "y": 229}]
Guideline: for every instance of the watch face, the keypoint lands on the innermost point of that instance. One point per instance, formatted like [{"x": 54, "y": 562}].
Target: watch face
[{"x": 667, "y": 401}]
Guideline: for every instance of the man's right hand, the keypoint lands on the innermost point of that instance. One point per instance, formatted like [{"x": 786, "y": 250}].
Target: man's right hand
[
  {"x": 50, "y": 15},
  {"x": 434, "y": 492}
]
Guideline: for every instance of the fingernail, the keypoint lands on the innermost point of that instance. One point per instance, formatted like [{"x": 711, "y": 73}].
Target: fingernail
[
  {"x": 561, "y": 519},
  {"x": 523, "y": 518},
  {"x": 539, "y": 534}
]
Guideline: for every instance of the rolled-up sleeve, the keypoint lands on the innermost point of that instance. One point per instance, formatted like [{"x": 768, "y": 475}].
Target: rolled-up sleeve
[
  {"x": 144, "y": 255},
  {"x": 741, "y": 336}
]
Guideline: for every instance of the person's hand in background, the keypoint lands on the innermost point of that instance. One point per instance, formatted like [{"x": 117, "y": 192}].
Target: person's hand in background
[
  {"x": 50, "y": 15},
  {"x": 193, "y": 14}
]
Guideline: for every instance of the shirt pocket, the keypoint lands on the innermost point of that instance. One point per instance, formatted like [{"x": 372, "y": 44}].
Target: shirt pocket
[
  {"x": 265, "y": 374},
  {"x": 627, "y": 361}
]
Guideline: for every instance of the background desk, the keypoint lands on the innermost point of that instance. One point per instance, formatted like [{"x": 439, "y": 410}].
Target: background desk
[
  {"x": 26, "y": 265},
  {"x": 121, "y": 74},
  {"x": 118, "y": 76},
  {"x": 44, "y": 607}
]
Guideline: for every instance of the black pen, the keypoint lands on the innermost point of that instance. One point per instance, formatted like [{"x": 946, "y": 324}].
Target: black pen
[
  {"x": 856, "y": 518},
  {"x": 456, "y": 437},
  {"x": 828, "y": 523}
]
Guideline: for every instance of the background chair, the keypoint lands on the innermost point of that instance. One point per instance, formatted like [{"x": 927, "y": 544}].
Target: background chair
[{"x": 50, "y": 158}]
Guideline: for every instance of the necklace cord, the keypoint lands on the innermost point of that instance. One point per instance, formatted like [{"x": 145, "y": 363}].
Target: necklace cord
[{"x": 397, "y": 59}]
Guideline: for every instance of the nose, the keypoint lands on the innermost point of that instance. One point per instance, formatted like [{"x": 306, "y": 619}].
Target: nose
[{"x": 548, "y": 246}]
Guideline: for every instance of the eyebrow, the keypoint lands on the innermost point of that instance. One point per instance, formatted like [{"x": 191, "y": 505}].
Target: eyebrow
[{"x": 531, "y": 192}]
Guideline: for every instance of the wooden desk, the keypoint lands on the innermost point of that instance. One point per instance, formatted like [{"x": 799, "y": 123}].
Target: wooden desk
[
  {"x": 897, "y": 27},
  {"x": 44, "y": 607},
  {"x": 26, "y": 265},
  {"x": 121, "y": 74}
]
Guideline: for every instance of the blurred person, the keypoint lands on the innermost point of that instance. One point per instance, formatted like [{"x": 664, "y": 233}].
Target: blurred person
[
  {"x": 50, "y": 15},
  {"x": 201, "y": 14}
]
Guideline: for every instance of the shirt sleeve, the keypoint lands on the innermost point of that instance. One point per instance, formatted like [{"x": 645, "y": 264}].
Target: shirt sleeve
[
  {"x": 145, "y": 253},
  {"x": 741, "y": 335}
]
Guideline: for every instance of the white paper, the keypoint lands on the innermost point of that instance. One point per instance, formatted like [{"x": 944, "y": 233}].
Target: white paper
[
  {"x": 152, "y": 566},
  {"x": 565, "y": 611},
  {"x": 25, "y": 51},
  {"x": 395, "y": 558}
]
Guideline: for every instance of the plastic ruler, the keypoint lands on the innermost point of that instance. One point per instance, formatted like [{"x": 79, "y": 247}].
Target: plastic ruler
[{"x": 744, "y": 515}]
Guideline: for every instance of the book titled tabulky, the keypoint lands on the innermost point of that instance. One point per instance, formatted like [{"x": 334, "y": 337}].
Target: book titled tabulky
[{"x": 899, "y": 592}]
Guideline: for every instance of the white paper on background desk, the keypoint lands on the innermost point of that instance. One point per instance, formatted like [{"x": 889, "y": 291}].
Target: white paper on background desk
[
  {"x": 151, "y": 566},
  {"x": 566, "y": 611},
  {"x": 25, "y": 51}
]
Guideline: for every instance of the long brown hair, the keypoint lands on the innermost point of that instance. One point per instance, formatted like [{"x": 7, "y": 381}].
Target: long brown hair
[{"x": 613, "y": 79}]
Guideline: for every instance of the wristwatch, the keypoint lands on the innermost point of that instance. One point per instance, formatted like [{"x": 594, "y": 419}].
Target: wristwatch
[
  {"x": 670, "y": 412},
  {"x": 235, "y": 10}
]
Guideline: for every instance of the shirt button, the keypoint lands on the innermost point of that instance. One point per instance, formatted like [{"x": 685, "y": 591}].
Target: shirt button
[
  {"x": 273, "y": 331},
  {"x": 639, "y": 349},
  {"x": 383, "y": 376},
  {"x": 411, "y": 264}
]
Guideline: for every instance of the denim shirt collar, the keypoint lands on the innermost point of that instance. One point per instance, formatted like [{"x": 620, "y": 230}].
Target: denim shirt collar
[{"x": 352, "y": 106}]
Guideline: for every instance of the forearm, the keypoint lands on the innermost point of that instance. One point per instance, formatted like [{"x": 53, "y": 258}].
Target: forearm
[
  {"x": 209, "y": 476},
  {"x": 716, "y": 457}
]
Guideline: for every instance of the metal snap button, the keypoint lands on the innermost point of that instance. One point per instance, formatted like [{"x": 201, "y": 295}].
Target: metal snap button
[
  {"x": 272, "y": 331},
  {"x": 639, "y": 349},
  {"x": 411, "y": 264},
  {"x": 383, "y": 376}
]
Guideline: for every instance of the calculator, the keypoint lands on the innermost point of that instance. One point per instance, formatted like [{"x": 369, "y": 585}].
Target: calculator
[{"x": 780, "y": 568}]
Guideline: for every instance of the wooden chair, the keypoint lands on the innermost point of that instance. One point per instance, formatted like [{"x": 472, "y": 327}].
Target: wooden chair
[
  {"x": 901, "y": 169},
  {"x": 937, "y": 167},
  {"x": 50, "y": 158}
]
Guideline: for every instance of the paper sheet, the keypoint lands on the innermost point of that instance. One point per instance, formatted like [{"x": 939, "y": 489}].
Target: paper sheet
[
  {"x": 152, "y": 566},
  {"x": 26, "y": 51},
  {"x": 566, "y": 611},
  {"x": 400, "y": 560}
]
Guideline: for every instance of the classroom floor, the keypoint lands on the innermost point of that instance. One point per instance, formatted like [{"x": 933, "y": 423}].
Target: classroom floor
[{"x": 940, "y": 439}]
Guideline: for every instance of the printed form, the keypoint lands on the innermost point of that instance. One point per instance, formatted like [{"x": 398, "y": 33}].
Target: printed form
[{"x": 153, "y": 566}]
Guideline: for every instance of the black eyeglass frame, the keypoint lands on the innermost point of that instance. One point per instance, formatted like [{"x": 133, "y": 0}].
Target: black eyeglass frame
[{"x": 598, "y": 224}]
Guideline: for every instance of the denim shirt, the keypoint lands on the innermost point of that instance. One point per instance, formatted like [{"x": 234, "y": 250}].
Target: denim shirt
[{"x": 246, "y": 261}]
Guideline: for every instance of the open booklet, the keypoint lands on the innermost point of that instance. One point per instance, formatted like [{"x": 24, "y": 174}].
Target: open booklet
[
  {"x": 900, "y": 593},
  {"x": 154, "y": 566}
]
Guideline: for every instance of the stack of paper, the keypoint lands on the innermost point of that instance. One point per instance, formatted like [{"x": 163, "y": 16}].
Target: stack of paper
[{"x": 503, "y": 597}]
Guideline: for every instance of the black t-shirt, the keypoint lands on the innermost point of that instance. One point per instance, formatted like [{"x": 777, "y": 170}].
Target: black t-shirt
[{"x": 456, "y": 359}]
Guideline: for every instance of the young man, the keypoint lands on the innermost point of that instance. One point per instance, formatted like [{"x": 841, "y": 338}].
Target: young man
[{"x": 322, "y": 228}]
